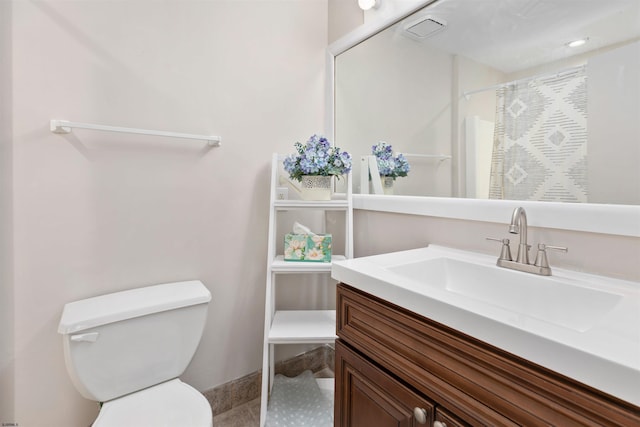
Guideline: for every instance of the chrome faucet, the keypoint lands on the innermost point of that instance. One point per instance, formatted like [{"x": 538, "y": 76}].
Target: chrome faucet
[{"x": 519, "y": 226}]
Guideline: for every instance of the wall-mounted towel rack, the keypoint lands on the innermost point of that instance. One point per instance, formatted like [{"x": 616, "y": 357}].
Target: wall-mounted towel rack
[
  {"x": 428, "y": 156},
  {"x": 64, "y": 126}
]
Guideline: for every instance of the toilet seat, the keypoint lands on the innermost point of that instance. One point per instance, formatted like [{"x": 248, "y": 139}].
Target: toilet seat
[{"x": 172, "y": 403}]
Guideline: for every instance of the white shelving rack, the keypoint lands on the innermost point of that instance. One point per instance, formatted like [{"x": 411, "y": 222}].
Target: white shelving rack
[{"x": 297, "y": 326}]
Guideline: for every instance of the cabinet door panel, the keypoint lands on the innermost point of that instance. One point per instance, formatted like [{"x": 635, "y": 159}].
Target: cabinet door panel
[
  {"x": 369, "y": 406},
  {"x": 366, "y": 396}
]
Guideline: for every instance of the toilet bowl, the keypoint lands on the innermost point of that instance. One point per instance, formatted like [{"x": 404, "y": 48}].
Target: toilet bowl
[
  {"x": 127, "y": 350},
  {"x": 172, "y": 403}
]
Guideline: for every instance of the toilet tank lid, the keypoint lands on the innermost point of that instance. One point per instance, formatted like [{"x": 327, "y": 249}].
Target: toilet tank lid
[{"x": 100, "y": 310}]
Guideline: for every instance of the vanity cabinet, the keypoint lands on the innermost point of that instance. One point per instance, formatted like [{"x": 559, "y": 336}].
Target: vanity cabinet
[{"x": 393, "y": 367}]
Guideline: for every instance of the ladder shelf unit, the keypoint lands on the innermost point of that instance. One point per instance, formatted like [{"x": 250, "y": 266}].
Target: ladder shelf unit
[{"x": 316, "y": 326}]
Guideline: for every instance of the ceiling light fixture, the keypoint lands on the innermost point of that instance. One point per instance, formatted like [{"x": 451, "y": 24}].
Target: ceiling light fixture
[
  {"x": 368, "y": 4},
  {"x": 577, "y": 43}
]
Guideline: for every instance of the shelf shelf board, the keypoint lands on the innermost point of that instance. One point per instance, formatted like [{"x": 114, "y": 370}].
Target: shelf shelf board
[
  {"x": 279, "y": 265},
  {"x": 282, "y": 205},
  {"x": 303, "y": 327}
]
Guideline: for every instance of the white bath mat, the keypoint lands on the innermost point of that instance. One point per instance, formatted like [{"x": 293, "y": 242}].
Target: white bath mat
[{"x": 298, "y": 402}]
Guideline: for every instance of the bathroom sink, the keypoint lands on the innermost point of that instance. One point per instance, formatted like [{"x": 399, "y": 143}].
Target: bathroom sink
[
  {"x": 545, "y": 298},
  {"x": 584, "y": 326}
]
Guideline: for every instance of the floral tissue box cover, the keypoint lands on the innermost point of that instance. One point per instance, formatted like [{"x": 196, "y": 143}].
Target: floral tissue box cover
[{"x": 307, "y": 247}]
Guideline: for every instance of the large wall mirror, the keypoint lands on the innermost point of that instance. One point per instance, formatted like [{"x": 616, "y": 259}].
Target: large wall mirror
[{"x": 492, "y": 100}]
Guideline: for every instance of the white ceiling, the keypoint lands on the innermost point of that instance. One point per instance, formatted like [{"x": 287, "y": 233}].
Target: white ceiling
[{"x": 512, "y": 35}]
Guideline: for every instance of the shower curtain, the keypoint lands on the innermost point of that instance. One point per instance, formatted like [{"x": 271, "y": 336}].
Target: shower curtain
[{"x": 540, "y": 139}]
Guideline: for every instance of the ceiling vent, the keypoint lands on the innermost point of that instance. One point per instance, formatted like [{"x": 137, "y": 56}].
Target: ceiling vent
[{"x": 425, "y": 27}]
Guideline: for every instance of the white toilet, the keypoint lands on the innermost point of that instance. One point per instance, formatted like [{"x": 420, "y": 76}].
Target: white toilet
[{"x": 128, "y": 348}]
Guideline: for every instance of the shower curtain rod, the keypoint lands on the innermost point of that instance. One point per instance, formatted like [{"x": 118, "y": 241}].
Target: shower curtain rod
[
  {"x": 467, "y": 94},
  {"x": 64, "y": 126}
]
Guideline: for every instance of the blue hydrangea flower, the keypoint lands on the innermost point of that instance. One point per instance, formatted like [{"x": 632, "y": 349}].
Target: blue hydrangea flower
[
  {"x": 317, "y": 157},
  {"x": 387, "y": 164}
]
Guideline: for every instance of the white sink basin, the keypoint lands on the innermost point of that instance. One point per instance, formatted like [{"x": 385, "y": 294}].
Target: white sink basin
[
  {"x": 545, "y": 298},
  {"x": 584, "y": 326}
]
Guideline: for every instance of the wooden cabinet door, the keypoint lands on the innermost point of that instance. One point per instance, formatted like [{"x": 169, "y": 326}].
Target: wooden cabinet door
[{"x": 368, "y": 397}]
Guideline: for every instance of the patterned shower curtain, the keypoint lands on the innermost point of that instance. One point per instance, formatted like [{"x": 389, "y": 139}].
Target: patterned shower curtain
[{"x": 540, "y": 139}]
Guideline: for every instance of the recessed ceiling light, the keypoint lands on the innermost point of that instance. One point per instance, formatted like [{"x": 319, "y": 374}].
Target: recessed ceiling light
[{"x": 576, "y": 43}]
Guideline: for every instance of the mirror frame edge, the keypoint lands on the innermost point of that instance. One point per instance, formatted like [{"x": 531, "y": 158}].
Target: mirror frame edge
[{"x": 623, "y": 220}]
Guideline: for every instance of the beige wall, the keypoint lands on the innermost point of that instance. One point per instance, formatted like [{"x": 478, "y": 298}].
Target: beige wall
[
  {"x": 97, "y": 212},
  {"x": 6, "y": 235},
  {"x": 344, "y": 16}
]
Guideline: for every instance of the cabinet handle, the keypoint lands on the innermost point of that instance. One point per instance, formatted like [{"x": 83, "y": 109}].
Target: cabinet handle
[
  {"x": 439, "y": 424},
  {"x": 420, "y": 415}
]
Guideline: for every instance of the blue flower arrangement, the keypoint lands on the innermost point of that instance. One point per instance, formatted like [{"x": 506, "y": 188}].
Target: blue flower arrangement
[
  {"x": 317, "y": 157},
  {"x": 387, "y": 164}
]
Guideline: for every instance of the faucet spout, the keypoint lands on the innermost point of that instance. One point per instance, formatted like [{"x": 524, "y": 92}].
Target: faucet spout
[{"x": 519, "y": 226}]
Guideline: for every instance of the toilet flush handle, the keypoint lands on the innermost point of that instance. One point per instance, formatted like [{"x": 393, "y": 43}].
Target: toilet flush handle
[{"x": 88, "y": 337}]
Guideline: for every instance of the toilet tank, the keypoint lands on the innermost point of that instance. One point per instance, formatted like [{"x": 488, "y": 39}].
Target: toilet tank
[{"x": 119, "y": 343}]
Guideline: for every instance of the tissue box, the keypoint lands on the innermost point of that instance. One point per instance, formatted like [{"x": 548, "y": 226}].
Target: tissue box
[{"x": 307, "y": 247}]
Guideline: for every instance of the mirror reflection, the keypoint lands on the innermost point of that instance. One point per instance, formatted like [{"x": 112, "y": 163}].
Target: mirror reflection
[{"x": 519, "y": 100}]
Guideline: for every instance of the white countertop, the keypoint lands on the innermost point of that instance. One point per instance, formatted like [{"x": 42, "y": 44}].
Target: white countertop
[{"x": 605, "y": 354}]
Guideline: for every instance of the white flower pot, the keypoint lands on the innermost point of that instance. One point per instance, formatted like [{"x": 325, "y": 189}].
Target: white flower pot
[
  {"x": 315, "y": 187},
  {"x": 387, "y": 184}
]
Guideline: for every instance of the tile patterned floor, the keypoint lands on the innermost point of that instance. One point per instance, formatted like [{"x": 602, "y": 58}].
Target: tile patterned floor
[{"x": 245, "y": 415}]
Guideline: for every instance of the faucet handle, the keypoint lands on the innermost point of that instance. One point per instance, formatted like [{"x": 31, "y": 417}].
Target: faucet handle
[
  {"x": 541, "y": 256},
  {"x": 505, "y": 253}
]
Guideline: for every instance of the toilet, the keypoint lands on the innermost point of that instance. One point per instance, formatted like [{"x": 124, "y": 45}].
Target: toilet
[{"x": 127, "y": 350}]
